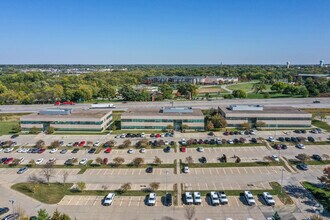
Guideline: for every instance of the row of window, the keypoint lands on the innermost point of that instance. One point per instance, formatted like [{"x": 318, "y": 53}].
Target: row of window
[
  {"x": 274, "y": 125},
  {"x": 156, "y": 127},
  {"x": 268, "y": 119},
  {"x": 64, "y": 122},
  {"x": 164, "y": 120}
]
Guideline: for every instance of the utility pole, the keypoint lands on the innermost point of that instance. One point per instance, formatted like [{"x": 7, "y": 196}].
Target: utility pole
[{"x": 12, "y": 205}]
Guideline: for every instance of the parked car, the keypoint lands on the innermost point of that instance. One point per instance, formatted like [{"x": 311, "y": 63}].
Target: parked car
[
  {"x": 223, "y": 197},
  {"x": 108, "y": 199},
  {"x": 186, "y": 169},
  {"x": 167, "y": 149},
  {"x": 8, "y": 161},
  {"x": 63, "y": 151},
  {"x": 39, "y": 161},
  {"x": 214, "y": 198},
  {"x": 51, "y": 160},
  {"x": 83, "y": 161},
  {"x": 130, "y": 151},
  {"x": 142, "y": 150},
  {"x": 230, "y": 141},
  {"x": 275, "y": 158},
  {"x": 249, "y": 198},
  {"x": 300, "y": 146},
  {"x": 317, "y": 157},
  {"x": 53, "y": 150},
  {"x": 268, "y": 198},
  {"x": 271, "y": 139},
  {"x": 197, "y": 198},
  {"x": 254, "y": 140},
  {"x": 4, "y": 210},
  {"x": 97, "y": 144},
  {"x": 310, "y": 139},
  {"x": 108, "y": 150},
  {"x": 151, "y": 199},
  {"x": 9, "y": 149},
  {"x": 75, "y": 150},
  {"x": 14, "y": 216},
  {"x": 82, "y": 143},
  {"x": 92, "y": 150},
  {"x": 183, "y": 149},
  {"x": 22, "y": 170},
  {"x": 302, "y": 166},
  {"x": 203, "y": 160},
  {"x": 149, "y": 169},
  {"x": 188, "y": 198},
  {"x": 168, "y": 199},
  {"x": 70, "y": 144},
  {"x": 281, "y": 139},
  {"x": 200, "y": 149}
]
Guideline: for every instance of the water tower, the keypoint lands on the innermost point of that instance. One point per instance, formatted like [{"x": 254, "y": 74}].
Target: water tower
[
  {"x": 288, "y": 64},
  {"x": 321, "y": 63}
]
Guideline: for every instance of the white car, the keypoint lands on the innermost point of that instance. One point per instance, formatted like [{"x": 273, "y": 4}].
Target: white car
[
  {"x": 108, "y": 199},
  {"x": 271, "y": 139},
  {"x": 70, "y": 144},
  {"x": 122, "y": 135},
  {"x": 143, "y": 135},
  {"x": 268, "y": 198},
  {"x": 162, "y": 135},
  {"x": 97, "y": 144},
  {"x": 166, "y": 143},
  {"x": 142, "y": 150},
  {"x": 252, "y": 132},
  {"x": 188, "y": 198},
  {"x": 39, "y": 161},
  {"x": 214, "y": 198},
  {"x": 300, "y": 146},
  {"x": 130, "y": 151},
  {"x": 83, "y": 161},
  {"x": 186, "y": 169},
  {"x": 8, "y": 150},
  {"x": 1, "y": 149},
  {"x": 230, "y": 141},
  {"x": 197, "y": 198},
  {"x": 22, "y": 150},
  {"x": 200, "y": 149},
  {"x": 53, "y": 150},
  {"x": 183, "y": 141},
  {"x": 249, "y": 198},
  {"x": 241, "y": 132},
  {"x": 275, "y": 158},
  {"x": 223, "y": 198},
  {"x": 151, "y": 199}
]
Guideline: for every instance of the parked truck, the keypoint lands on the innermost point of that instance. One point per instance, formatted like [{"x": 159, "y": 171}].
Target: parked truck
[{"x": 110, "y": 105}]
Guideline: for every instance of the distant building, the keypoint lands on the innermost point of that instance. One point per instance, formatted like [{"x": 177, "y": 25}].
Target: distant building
[
  {"x": 288, "y": 64},
  {"x": 314, "y": 76},
  {"x": 158, "y": 119},
  {"x": 207, "y": 80},
  {"x": 272, "y": 116},
  {"x": 68, "y": 120},
  {"x": 321, "y": 63}
]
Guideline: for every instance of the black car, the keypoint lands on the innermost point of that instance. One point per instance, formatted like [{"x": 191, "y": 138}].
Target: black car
[
  {"x": 172, "y": 143},
  {"x": 299, "y": 139},
  {"x": 284, "y": 147},
  {"x": 281, "y": 139},
  {"x": 254, "y": 140},
  {"x": 302, "y": 166},
  {"x": 152, "y": 135},
  {"x": 303, "y": 131},
  {"x": 149, "y": 169},
  {"x": 317, "y": 157},
  {"x": 297, "y": 131},
  {"x": 287, "y": 139},
  {"x": 14, "y": 136},
  {"x": 92, "y": 150},
  {"x": 22, "y": 170},
  {"x": 206, "y": 141},
  {"x": 75, "y": 150},
  {"x": 212, "y": 141},
  {"x": 294, "y": 139},
  {"x": 167, "y": 149},
  {"x": 168, "y": 199},
  {"x": 3, "y": 159},
  {"x": 4, "y": 210},
  {"x": 311, "y": 139},
  {"x": 203, "y": 160}
]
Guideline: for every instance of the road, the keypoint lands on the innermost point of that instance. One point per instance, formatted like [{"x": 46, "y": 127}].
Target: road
[{"x": 294, "y": 102}]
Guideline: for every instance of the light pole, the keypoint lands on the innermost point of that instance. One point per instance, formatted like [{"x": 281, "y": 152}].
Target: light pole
[
  {"x": 12, "y": 205},
  {"x": 282, "y": 180}
]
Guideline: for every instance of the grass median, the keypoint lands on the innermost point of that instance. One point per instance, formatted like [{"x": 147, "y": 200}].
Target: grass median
[
  {"x": 54, "y": 192},
  {"x": 226, "y": 145},
  {"x": 321, "y": 194}
]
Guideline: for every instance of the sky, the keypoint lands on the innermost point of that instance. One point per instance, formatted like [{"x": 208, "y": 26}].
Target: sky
[{"x": 164, "y": 31}]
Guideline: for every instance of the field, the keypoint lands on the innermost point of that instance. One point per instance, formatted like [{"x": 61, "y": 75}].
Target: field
[
  {"x": 321, "y": 124},
  {"x": 8, "y": 121},
  {"x": 247, "y": 87}
]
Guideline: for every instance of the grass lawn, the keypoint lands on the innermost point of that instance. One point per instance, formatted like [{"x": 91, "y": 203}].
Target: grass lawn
[
  {"x": 311, "y": 162},
  {"x": 242, "y": 86},
  {"x": 7, "y": 126},
  {"x": 271, "y": 95},
  {"x": 322, "y": 195},
  {"x": 321, "y": 124},
  {"x": 54, "y": 192}
]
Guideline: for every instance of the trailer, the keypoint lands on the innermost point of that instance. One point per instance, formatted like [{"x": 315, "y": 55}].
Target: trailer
[{"x": 98, "y": 106}]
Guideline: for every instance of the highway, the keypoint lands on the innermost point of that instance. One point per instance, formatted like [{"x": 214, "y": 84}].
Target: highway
[{"x": 294, "y": 102}]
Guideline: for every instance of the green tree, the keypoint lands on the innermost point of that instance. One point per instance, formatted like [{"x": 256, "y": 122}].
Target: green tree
[
  {"x": 50, "y": 130},
  {"x": 16, "y": 128},
  {"x": 56, "y": 215},
  {"x": 154, "y": 186},
  {"x": 157, "y": 160},
  {"x": 34, "y": 130},
  {"x": 138, "y": 161},
  {"x": 210, "y": 125},
  {"x": 40, "y": 143},
  {"x": 118, "y": 161},
  {"x": 125, "y": 187},
  {"x": 166, "y": 90},
  {"x": 266, "y": 95},
  {"x": 259, "y": 87},
  {"x": 107, "y": 92},
  {"x": 218, "y": 121},
  {"x": 128, "y": 93},
  {"x": 187, "y": 89},
  {"x": 42, "y": 214},
  {"x": 278, "y": 86},
  {"x": 239, "y": 94}
]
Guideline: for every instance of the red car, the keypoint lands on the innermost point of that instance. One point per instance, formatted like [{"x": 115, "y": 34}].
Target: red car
[
  {"x": 157, "y": 135},
  {"x": 108, "y": 150},
  {"x": 183, "y": 149},
  {"x": 41, "y": 150},
  {"x": 8, "y": 161},
  {"x": 82, "y": 143},
  {"x": 105, "y": 161}
]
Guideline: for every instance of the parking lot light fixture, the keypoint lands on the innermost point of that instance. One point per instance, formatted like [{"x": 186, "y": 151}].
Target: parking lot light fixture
[{"x": 12, "y": 205}]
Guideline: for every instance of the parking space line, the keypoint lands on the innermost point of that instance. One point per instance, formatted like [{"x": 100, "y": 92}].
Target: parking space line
[
  {"x": 95, "y": 200},
  {"x": 121, "y": 201},
  {"x": 130, "y": 200},
  {"x": 119, "y": 171},
  {"x": 140, "y": 172},
  {"x": 217, "y": 171},
  {"x": 139, "y": 201},
  {"x": 224, "y": 170},
  {"x": 231, "y": 170},
  {"x": 238, "y": 170},
  {"x": 245, "y": 170},
  {"x": 70, "y": 200},
  {"x": 236, "y": 201}
]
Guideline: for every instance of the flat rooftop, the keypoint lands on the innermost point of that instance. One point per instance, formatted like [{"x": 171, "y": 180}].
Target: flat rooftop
[
  {"x": 159, "y": 112},
  {"x": 75, "y": 114},
  {"x": 266, "y": 110}
]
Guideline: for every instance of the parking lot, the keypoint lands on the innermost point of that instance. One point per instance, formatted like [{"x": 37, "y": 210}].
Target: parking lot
[
  {"x": 228, "y": 186},
  {"x": 227, "y": 171},
  {"x": 128, "y": 172}
]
